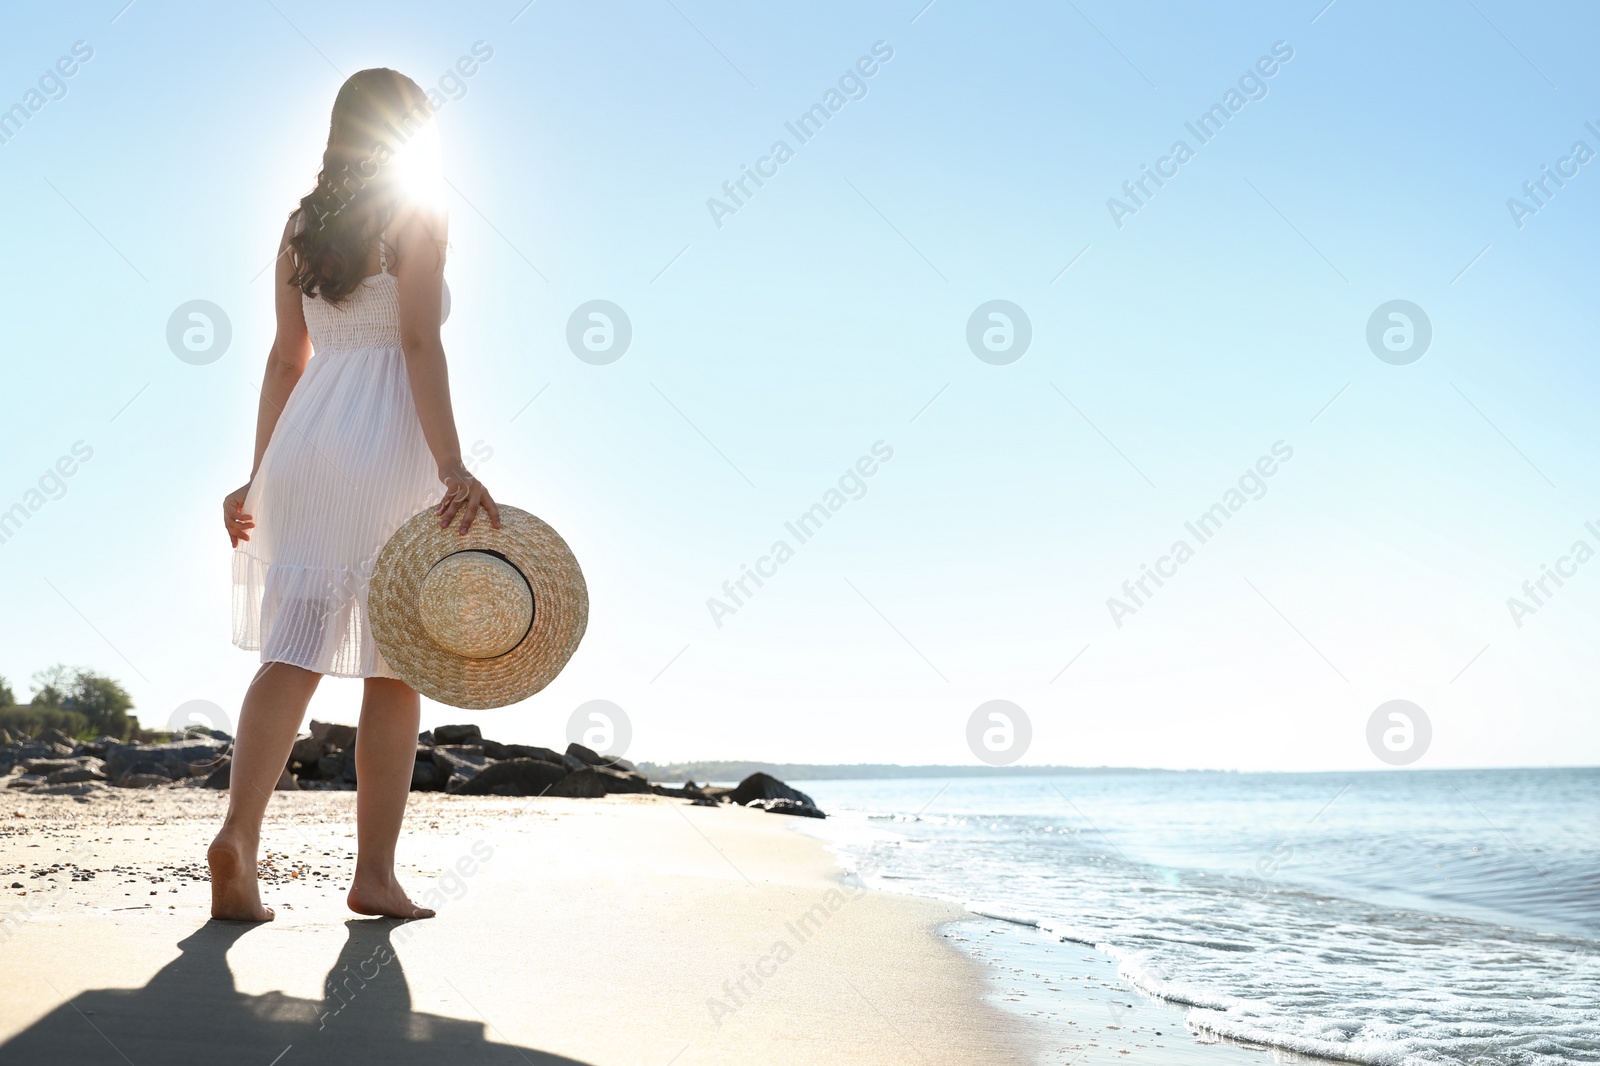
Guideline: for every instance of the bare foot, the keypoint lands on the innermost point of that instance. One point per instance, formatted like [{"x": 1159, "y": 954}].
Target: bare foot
[
  {"x": 235, "y": 894},
  {"x": 383, "y": 897}
]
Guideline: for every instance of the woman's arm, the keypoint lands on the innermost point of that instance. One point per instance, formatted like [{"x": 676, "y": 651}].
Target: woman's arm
[
  {"x": 291, "y": 350},
  {"x": 419, "y": 236}
]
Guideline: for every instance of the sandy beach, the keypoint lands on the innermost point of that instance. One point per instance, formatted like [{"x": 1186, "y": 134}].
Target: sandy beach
[{"x": 623, "y": 930}]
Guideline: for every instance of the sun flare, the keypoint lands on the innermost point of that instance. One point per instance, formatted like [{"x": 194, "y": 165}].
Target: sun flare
[{"x": 419, "y": 166}]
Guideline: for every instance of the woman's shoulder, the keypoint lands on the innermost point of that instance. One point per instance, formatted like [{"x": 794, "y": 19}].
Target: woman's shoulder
[
  {"x": 295, "y": 223},
  {"x": 292, "y": 227}
]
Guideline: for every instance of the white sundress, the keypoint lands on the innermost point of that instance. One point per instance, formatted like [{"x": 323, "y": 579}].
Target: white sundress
[{"x": 346, "y": 466}]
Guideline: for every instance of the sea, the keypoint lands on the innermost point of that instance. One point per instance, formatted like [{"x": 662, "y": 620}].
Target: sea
[{"x": 1395, "y": 918}]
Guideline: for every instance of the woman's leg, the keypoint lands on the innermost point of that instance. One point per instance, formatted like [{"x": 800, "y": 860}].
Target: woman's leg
[
  {"x": 386, "y": 750},
  {"x": 273, "y": 708}
]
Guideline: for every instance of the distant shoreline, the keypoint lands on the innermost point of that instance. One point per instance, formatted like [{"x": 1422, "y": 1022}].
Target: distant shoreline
[
  {"x": 737, "y": 770},
  {"x": 713, "y": 770}
]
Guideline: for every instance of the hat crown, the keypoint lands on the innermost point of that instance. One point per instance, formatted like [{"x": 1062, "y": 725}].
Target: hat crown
[
  {"x": 475, "y": 604},
  {"x": 434, "y": 638}
]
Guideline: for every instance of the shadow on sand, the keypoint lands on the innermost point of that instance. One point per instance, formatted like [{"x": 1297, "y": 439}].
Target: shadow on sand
[{"x": 191, "y": 1012}]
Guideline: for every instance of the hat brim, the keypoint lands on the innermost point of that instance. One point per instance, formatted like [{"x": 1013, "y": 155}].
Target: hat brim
[{"x": 560, "y": 609}]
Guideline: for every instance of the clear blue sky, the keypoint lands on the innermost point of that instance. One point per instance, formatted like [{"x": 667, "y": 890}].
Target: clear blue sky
[{"x": 769, "y": 354}]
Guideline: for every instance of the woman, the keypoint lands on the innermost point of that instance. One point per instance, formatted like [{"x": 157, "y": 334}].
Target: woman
[{"x": 349, "y": 445}]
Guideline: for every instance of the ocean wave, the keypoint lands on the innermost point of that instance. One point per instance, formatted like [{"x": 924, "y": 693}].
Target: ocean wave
[
  {"x": 1281, "y": 922},
  {"x": 1422, "y": 1042}
]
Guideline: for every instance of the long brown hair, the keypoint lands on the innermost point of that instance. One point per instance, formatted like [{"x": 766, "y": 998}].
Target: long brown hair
[{"x": 357, "y": 190}]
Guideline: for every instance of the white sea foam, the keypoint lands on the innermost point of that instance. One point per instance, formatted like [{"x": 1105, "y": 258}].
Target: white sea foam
[
  {"x": 1070, "y": 933},
  {"x": 990, "y": 910}
]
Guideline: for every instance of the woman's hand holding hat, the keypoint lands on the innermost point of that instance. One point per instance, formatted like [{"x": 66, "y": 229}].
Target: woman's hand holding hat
[{"x": 464, "y": 495}]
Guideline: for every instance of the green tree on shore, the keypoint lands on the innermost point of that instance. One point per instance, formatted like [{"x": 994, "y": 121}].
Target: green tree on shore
[
  {"x": 101, "y": 701},
  {"x": 7, "y": 697},
  {"x": 50, "y": 687}
]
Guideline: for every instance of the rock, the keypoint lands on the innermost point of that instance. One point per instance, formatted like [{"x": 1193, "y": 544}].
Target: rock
[
  {"x": 173, "y": 759},
  {"x": 457, "y": 734},
  {"x": 596, "y": 781},
  {"x": 594, "y": 758},
  {"x": 26, "y": 781},
  {"x": 307, "y": 750},
  {"x": 68, "y": 788},
  {"x": 98, "y": 746},
  {"x": 533, "y": 751},
  {"x": 513, "y": 777},
  {"x": 56, "y": 736},
  {"x": 459, "y": 757},
  {"x": 426, "y": 738},
  {"x": 51, "y": 766},
  {"x": 459, "y": 763},
  {"x": 760, "y": 786},
  {"x": 337, "y": 765},
  {"x": 588, "y": 755},
  {"x": 142, "y": 781},
  {"x": 73, "y": 774},
  {"x": 222, "y": 777},
  {"x": 333, "y": 736},
  {"x": 689, "y": 791},
  {"x": 786, "y": 806},
  {"x": 580, "y": 784},
  {"x": 427, "y": 775},
  {"x": 205, "y": 767},
  {"x": 148, "y": 768},
  {"x": 493, "y": 748},
  {"x": 6, "y": 739},
  {"x": 618, "y": 782}
]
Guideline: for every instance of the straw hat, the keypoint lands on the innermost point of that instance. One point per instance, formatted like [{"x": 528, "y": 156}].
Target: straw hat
[{"x": 481, "y": 620}]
